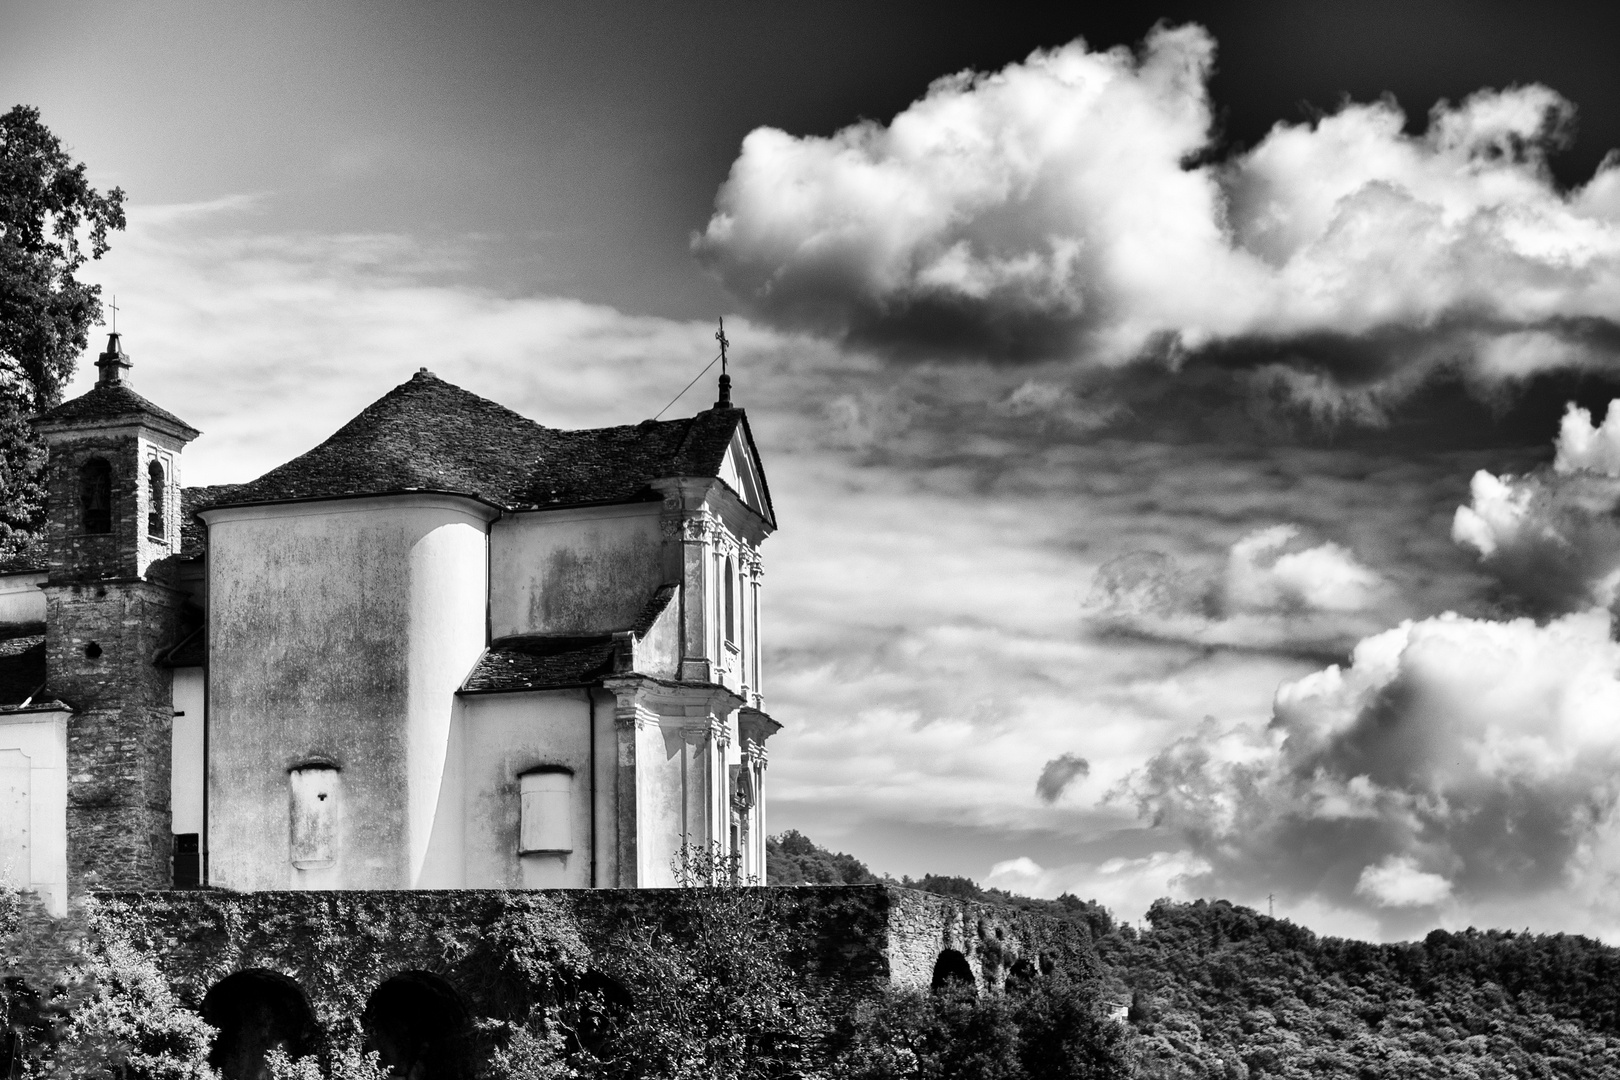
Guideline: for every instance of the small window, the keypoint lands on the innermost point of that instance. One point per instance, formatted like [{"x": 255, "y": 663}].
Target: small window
[
  {"x": 548, "y": 811},
  {"x": 731, "y": 602},
  {"x": 314, "y": 816},
  {"x": 154, "y": 479},
  {"x": 95, "y": 495}
]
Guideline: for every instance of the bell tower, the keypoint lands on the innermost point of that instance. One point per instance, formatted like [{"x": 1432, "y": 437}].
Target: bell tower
[{"x": 112, "y": 524}]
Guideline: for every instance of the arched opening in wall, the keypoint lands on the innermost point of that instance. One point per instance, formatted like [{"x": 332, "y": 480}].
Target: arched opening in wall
[
  {"x": 952, "y": 972},
  {"x": 156, "y": 484},
  {"x": 95, "y": 496},
  {"x": 601, "y": 1006},
  {"x": 1022, "y": 975},
  {"x": 257, "y": 1011},
  {"x": 419, "y": 1027}
]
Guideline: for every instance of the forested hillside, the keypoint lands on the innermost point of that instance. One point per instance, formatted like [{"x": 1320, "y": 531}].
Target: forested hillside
[{"x": 1217, "y": 990}]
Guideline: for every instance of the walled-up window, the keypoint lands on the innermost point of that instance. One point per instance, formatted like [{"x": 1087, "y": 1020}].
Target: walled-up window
[
  {"x": 314, "y": 791},
  {"x": 156, "y": 485},
  {"x": 95, "y": 495},
  {"x": 731, "y": 601},
  {"x": 547, "y": 811}
]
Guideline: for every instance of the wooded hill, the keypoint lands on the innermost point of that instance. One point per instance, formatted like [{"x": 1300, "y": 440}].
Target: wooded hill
[{"x": 1218, "y": 990}]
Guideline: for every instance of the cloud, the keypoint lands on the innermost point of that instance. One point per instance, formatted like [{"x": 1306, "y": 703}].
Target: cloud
[
  {"x": 1397, "y": 882},
  {"x": 1273, "y": 593},
  {"x": 1460, "y": 768},
  {"x": 1071, "y": 206},
  {"x": 1058, "y": 774},
  {"x": 1551, "y": 538},
  {"x": 1126, "y": 885}
]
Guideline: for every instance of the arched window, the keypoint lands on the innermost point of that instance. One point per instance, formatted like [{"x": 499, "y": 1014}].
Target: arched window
[
  {"x": 95, "y": 495},
  {"x": 154, "y": 480},
  {"x": 731, "y": 602}
]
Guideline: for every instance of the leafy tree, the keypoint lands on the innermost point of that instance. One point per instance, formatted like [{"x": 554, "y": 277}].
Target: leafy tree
[
  {"x": 794, "y": 859},
  {"x": 716, "y": 995},
  {"x": 48, "y": 214}
]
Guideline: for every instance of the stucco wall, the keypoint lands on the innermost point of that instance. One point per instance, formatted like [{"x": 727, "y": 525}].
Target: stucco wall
[
  {"x": 506, "y": 735},
  {"x": 21, "y": 600},
  {"x": 338, "y": 631},
  {"x": 574, "y": 571},
  {"x": 33, "y": 803},
  {"x": 186, "y": 768}
]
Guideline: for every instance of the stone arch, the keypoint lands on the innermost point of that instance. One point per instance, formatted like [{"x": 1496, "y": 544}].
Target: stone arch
[
  {"x": 1022, "y": 975},
  {"x": 257, "y": 1011},
  {"x": 952, "y": 971},
  {"x": 420, "y": 1027},
  {"x": 157, "y": 487}
]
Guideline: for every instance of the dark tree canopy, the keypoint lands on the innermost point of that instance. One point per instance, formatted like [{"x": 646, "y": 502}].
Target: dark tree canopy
[{"x": 51, "y": 222}]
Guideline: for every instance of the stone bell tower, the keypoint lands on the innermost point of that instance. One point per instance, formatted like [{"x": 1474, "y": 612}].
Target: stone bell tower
[{"x": 112, "y": 524}]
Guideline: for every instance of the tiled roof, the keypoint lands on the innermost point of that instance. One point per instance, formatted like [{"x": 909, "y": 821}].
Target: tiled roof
[
  {"x": 193, "y": 533},
  {"x": 428, "y": 435},
  {"x": 111, "y": 401}
]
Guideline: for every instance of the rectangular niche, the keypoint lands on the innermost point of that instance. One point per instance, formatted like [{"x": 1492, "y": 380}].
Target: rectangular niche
[
  {"x": 547, "y": 811},
  {"x": 314, "y": 790}
]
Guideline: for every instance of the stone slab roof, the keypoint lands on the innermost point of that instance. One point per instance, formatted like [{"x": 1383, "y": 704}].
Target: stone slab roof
[
  {"x": 428, "y": 435},
  {"x": 109, "y": 402},
  {"x": 541, "y": 663},
  {"x": 554, "y": 662}
]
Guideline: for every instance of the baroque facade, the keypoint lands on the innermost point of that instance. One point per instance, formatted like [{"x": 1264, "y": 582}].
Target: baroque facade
[{"x": 447, "y": 648}]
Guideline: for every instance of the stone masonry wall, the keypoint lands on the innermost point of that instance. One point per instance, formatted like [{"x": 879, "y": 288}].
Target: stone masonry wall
[
  {"x": 339, "y": 946},
  {"x": 101, "y": 639}
]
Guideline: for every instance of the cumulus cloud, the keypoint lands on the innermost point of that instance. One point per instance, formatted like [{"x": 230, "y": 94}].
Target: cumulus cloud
[
  {"x": 1050, "y": 210},
  {"x": 1456, "y": 766},
  {"x": 1058, "y": 774},
  {"x": 1274, "y": 592},
  {"x": 1552, "y": 537}
]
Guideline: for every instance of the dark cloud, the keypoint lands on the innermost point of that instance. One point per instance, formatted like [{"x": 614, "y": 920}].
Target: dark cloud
[
  {"x": 1058, "y": 774},
  {"x": 1071, "y": 209}
]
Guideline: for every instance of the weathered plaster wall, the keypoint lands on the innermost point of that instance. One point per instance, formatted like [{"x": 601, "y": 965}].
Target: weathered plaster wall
[
  {"x": 338, "y": 631},
  {"x": 21, "y": 600},
  {"x": 33, "y": 803},
  {"x": 186, "y": 756},
  {"x": 506, "y": 736},
  {"x": 579, "y": 571}
]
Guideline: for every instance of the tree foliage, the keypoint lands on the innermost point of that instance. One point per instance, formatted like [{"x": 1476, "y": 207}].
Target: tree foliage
[
  {"x": 794, "y": 859},
  {"x": 51, "y": 222},
  {"x": 1218, "y": 990}
]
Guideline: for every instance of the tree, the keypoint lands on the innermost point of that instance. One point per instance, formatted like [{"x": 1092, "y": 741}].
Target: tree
[{"x": 50, "y": 217}]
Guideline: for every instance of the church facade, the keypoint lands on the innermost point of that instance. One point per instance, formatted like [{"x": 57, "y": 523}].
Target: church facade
[{"x": 447, "y": 648}]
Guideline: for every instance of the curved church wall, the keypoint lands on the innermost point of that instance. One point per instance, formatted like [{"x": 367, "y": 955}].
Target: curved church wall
[{"x": 339, "y": 633}]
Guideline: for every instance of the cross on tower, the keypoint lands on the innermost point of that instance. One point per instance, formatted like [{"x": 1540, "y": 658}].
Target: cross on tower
[
  {"x": 113, "y": 304},
  {"x": 725, "y": 378}
]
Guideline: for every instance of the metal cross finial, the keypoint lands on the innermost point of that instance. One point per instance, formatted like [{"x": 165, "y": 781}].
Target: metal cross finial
[
  {"x": 114, "y": 305},
  {"x": 720, "y": 336}
]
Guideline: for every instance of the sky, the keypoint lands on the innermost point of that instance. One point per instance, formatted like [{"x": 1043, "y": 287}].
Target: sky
[{"x": 1187, "y": 423}]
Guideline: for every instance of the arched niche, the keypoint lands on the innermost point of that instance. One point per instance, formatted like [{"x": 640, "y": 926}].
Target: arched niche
[
  {"x": 420, "y": 1028},
  {"x": 953, "y": 972},
  {"x": 257, "y": 1011},
  {"x": 601, "y": 1005}
]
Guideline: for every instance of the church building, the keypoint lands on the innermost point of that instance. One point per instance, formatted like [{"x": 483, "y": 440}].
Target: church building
[{"x": 447, "y": 648}]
